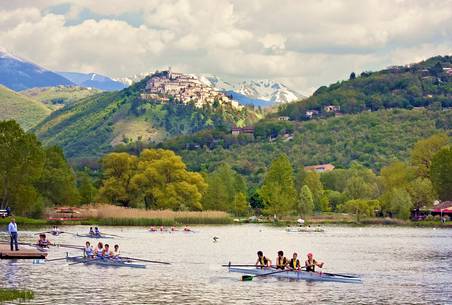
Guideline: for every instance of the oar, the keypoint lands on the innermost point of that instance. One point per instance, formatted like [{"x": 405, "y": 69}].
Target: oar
[
  {"x": 145, "y": 260},
  {"x": 57, "y": 259},
  {"x": 105, "y": 234},
  {"x": 250, "y": 277},
  {"x": 342, "y": 275}
]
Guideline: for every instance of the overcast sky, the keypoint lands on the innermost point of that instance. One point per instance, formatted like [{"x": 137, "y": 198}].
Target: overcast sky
[{"x": 304, "y": 44}]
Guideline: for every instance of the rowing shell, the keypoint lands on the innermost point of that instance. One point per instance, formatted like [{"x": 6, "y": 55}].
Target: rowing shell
[
  {"x": 104, "y": 262},
  {"x": 299, "y": 275},
  {"x": 308, "y": 230},
  {"x": 93, "y": 236}
]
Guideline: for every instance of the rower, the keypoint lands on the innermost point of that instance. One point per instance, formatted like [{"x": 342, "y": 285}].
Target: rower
[
  {"x": 262, "y": 261},
  {"x": 116, "y": 252},
  {"x": 173, "y": 229},
  {"x": 55, "y": 231},
  {"x": 162, "y": 228},
  {"x": 215, "y": 238},
  {"x": 187, "y": 229},
  {"x": 153, "y": 229},
  {"x": 98, "y": 251},
  {"x": 106, "y": 253},
  {"x": 294, "y": 262},
  {"x": 96, "y": 231},
  {"x": 43, "y": 242},
  {"x": 311, "y": 263},
  {"x": 88, "y": 250},
  {"x": 91, "y": 232},
  {"x": 281, "y": 260}
]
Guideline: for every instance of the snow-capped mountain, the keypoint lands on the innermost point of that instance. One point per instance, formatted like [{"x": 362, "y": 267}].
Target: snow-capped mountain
[
  {"x": 262, "y": 93},
  {"x": 267, "y": 90},
  {"x": 19, "y": 74},
  {"x": 93, "y": 80},
  {"x": 132, "y": 79}
]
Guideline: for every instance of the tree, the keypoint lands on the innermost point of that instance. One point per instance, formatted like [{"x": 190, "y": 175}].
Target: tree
[
  {"x": 357, "y": 188},
  {"x": 400, "y": 203},
  {"x": 312, "y": 180},
  {"x": 305, "y": 201},
  {"x": 278, "y": 190},
  {"x": 423, "y": 151},
  {"x": 21, "y": 165},
  {"x": 397, "y": 174},
  {"x": 156, "y": 179},
  {"x": 240, "y": 205},
  {"x": 421, "y": 192},
  {"x": 223, "y": 186},
  {"x": 86, "y": 188},
  {"x": 57, "y": 181},
  {"x": 360, "y": 207},
  {"x": 440, "y": 171}
]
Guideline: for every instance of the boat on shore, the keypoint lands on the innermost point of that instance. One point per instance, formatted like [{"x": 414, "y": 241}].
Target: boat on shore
[
  {"x": 104, "y": 262},
  {"x": 305, "y": 230},
  {"x": 94, "y": 236},
  {"x": 298, "y": 275}
]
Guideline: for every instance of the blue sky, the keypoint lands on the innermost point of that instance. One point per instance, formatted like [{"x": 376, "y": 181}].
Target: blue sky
[{"x": 304, "y": 44}]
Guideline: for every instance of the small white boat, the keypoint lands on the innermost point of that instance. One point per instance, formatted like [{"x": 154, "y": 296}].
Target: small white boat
[
  {"x": 305, "y": 229},
  {"x": 104, "y": 262},
  {"x": 299, "y": 275}
]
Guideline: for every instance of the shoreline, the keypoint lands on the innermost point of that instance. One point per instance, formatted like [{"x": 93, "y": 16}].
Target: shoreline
[{"x": 313, "y": 223}]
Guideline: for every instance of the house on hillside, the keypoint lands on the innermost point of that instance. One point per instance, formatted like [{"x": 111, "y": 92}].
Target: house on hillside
[
  {"x": 321, "y": 168},
  {"x": 311, "y": 113},
  {"x": 331, "y": 108},
  {"x": 283, "y": 118}
]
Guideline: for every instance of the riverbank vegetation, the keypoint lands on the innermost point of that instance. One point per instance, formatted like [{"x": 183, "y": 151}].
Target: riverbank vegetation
[{"x": 10, "y": 294}]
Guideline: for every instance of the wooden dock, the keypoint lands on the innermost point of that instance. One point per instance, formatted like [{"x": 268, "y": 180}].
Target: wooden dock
[{"x": 23, "y": 253}]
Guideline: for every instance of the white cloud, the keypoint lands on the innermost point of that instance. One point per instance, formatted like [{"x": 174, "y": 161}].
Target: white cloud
[{"x": 305, "y": 43}]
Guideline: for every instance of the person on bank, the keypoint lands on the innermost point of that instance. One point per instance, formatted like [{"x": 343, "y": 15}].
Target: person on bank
[
  {"x": 281, "y": 260},
  {"x": 311, "y": 263},
  {"x": 262, "y": 261},
  {"x": 12, "y": 230}
]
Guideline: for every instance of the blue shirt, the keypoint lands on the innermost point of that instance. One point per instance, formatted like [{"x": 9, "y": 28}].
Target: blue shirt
[{"x": 12, "y": 227}]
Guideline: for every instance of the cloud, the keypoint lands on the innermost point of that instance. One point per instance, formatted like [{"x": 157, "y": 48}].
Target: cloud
[{"x": 304, "y": 43}]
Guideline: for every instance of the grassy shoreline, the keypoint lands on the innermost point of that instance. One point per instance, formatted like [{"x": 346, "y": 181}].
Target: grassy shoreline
[{"x": 10, "y": 294}]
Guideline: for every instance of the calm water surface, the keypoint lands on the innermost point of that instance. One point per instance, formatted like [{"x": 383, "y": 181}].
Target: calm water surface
[{"x": 397, "y": 265}]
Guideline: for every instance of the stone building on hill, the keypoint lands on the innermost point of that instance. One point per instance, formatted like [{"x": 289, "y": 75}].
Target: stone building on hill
[{"x": 184, "y": 88}]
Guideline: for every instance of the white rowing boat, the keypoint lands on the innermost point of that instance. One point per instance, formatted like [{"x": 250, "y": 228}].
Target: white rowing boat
[
  {"x": 94, "y": 236},
  {"x": 305, "y": 229},
  {"x": 103, "y": 262},
  {"x": 299, "y": 275}
]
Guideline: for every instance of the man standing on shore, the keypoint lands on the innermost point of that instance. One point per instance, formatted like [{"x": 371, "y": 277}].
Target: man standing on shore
[{"x": 12, "y": 230}]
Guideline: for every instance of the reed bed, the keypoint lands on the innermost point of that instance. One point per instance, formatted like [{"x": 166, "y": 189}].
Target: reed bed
[
  {"x": 9, "y": 294},
  {"x": 104, "y": 214}
]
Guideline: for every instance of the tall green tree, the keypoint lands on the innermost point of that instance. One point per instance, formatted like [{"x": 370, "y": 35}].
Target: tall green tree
[
  {"x": 423, "y": 151},
  {"x": 240, "y": 205},
  {"x": 21, "y": 165},
  {"x": 400, "y": 203},
  {"x": 57, "y": 182},
  {"x": 421, "y": 192},
  {"x": 305, "y": 201},
  {"x": 441, "y": 173},
  {"x": 223, "y": 186},
  {"x": 278, "y": 190},
  {"x": 358, "y": 188},
  {"x": 312, "y": 180},
  {"x": 86, "y": 188}
]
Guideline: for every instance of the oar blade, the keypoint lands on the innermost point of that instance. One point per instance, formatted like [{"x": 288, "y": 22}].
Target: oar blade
[{"x": 247, "y": 278}]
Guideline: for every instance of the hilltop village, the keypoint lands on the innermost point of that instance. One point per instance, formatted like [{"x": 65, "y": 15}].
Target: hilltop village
[{"x": 184, "y": 88}]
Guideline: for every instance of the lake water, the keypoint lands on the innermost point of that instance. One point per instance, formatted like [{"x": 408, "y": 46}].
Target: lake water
[{"x": 397, "y": 265}]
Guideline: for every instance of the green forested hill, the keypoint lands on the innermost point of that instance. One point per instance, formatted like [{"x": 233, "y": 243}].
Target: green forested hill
[
  {"x": 95, "y": 124},
  {"x": 373, "y": 139},
  {"x": 428, "y": 83},
  {"x": 25, "y": 111},
  {"x": 59, "y": 96}
]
